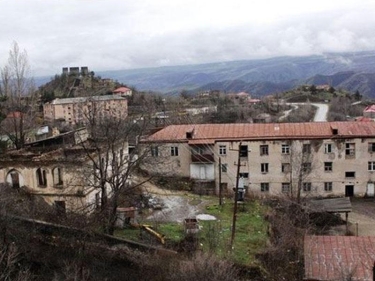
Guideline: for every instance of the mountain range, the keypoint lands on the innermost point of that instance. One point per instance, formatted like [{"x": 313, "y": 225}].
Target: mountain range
[{"x": 349, "y": 71}]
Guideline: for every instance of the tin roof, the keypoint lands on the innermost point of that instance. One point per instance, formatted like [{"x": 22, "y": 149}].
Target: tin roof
[
  {"x": 84, "y": 99},
  {"x": 336, "y": 257},
  {"x": 121, "y": 90},
  {"x": 268, "y": 131},
  {"x": 370, "y": 108}
]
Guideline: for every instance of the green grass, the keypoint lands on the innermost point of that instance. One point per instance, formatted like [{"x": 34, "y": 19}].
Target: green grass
[
  {"x": 250, "y": 235},
  {"x": 251, "y": 230}
]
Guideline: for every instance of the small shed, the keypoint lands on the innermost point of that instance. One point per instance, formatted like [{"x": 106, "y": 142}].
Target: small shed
[
  {"x": 330, "y": 205},
  {"x": 125, "y": 216}
]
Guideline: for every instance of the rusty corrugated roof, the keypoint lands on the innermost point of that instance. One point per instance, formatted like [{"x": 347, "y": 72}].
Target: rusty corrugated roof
[
  {"x": 336, "y": 257},
  {"x": 268, "y": 131}
]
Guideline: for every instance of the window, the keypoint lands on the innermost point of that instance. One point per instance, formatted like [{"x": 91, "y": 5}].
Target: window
[
  {"x": 57, "y": 176},
  {"x": 224, "y": 168},
  {"x": 328, "y": 148},
  {"x": 244, "y": 175},
  {"x": 350, "y": 174},
  {"x": 154, "y": 151},
  {"x": 15, "y": 178},
  {"x": 328, "y": 186},
  {"x": 243, "y": 151},
  {"x": 264, "y": 187},
  {"x": 371, "y": 147},
  {"x": 350, "y": 149},
  {"x": 264, "y": 167},
  {"x": 285, "y": 187},
  {"x": 371, "y": 166},
  {"x": 306, "y": 186},
  {"x": 306, "y": 148},
  {"x": 264, "y": 150},
  {"x": 174, "y": 151},
  {"x": 327, "y": 166},
  {"x": 285, "y": 167},
  {"x": 222, "y": 149},
  {"x": 285, "y": 149},
  {"x": 306, "y": 167},
  {"x": 41, "y": 177}
]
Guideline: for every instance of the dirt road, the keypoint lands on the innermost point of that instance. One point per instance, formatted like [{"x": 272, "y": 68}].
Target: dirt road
[{"x": 177, "y": 205}]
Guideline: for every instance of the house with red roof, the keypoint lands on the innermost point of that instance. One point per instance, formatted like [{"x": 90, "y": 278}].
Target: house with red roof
[
  {"x": 123, "y": 91},
  {"x": 369, "y": 111},
  {"x": 320, "y": 158}
]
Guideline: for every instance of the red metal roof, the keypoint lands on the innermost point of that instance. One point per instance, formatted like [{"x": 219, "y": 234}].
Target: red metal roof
[
  {"x": 333, "y": 257},
  {"x": 267, "y": 131},
  {"x": 121, "y": 90},
  {"x": 370, "y": 108}
]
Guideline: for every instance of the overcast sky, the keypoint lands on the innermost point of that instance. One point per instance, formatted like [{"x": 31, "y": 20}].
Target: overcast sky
[{"x": 122, "y": 34}]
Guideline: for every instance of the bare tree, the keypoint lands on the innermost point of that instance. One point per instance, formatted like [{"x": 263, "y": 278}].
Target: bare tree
[
  {"x": 299, "y": 166},
  {"x": 18, "y": 101},
  {"x": 111, "y": 164}
]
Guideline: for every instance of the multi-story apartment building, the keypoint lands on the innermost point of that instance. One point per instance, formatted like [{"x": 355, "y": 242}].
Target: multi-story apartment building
[
  {"x": 79, "y": 110},
  {"x": 319, "y": 159}
]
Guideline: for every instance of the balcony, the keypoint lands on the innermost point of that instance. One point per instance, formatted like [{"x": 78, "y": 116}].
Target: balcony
[{"x": 202, "y": 158}]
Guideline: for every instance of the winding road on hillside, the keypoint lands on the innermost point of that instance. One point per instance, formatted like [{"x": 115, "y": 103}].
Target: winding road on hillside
[{"x": 320, "y": 114}]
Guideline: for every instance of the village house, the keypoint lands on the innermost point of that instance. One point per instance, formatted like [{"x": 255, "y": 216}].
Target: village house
[
  {"x": 369, "y": 111},
  {"x": 321, "y": 158},
  {"x": 123, "y": 91},
  {"x": 78, "y": 110},
  {"x": 240, "y": 96},
  {"x": 57, "y": 169}
]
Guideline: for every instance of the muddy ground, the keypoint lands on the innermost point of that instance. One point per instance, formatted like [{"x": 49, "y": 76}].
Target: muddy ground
[{"x": 178, "y": 206}]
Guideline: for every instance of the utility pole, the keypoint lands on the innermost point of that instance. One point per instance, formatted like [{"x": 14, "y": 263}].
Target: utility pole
[
  {"x": 236, "y": 197},
  {"x": 220, "y": 195}
]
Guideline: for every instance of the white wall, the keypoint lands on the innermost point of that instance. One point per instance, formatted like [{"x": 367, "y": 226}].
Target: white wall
[{"x": 202, "y": 171}]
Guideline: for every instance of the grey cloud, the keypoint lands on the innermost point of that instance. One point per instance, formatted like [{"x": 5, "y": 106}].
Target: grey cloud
[{"x": 120, "y": 34}]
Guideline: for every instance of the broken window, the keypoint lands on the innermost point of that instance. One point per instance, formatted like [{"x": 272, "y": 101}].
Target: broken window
[
  {"x": 285, "y": 186},
  {"x": 306, "y": 186},
  {"x": 15, "y": 179},
  {"x": 264, "y": 187},
  {"x": 349, "y": 149},
  {"x": 41, "y": 177},
  {"x": 57, "y": 176},
  {"x": 328, "y": 148},
  {"x": 243, "y": 151}
]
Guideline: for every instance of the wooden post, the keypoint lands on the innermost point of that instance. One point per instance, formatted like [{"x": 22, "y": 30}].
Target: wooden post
[
  {"x": 346, "y": 222},
  {"x": 235, "y": 198},
  {"x": 220, "y": 191}
]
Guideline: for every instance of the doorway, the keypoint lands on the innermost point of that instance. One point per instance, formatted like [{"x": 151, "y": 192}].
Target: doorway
[
  {"x": 370, "y": 189},
  {"x": 349, "y": 190}
]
